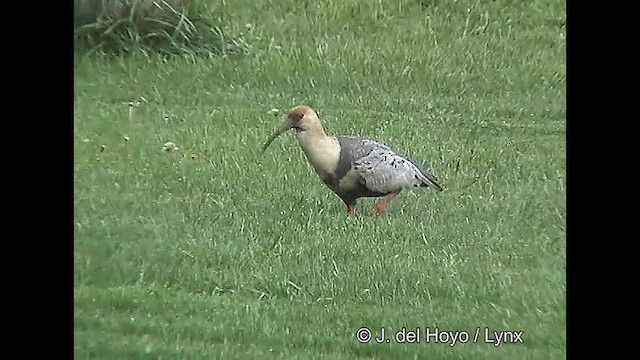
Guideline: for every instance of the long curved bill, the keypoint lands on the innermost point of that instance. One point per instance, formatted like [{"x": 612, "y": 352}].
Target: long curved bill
[{"x": 284, "y": 127}]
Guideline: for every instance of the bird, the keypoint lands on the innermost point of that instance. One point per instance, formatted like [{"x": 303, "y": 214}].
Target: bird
[{"x": 353, "y": 167}]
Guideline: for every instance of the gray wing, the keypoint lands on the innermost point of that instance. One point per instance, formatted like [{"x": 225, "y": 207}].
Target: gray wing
[
  {"x": 380, "y": 168},
  {"x": 352, "y": 148}
]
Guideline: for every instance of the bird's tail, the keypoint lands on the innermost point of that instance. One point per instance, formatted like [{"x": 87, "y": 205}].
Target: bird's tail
[{"x": 429, "y": 180}]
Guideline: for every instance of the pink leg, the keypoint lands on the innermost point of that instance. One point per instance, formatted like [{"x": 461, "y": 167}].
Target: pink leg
[{"x": 381, "y": 206}]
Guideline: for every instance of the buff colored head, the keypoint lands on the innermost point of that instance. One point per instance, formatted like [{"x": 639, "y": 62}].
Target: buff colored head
[{"x": 301, "y": 118}]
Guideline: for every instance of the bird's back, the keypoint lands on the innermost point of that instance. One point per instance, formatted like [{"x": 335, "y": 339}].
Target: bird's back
[
  {"x": 353, "y": 148},
  {"x": 380, "y": 168}
]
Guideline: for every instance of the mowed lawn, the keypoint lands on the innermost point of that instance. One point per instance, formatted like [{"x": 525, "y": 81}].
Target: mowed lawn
[{"x": 219, "y": 251}]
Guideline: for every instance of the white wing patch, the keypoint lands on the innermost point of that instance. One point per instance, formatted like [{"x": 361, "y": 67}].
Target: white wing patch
[{"x": 385, "y": 171}]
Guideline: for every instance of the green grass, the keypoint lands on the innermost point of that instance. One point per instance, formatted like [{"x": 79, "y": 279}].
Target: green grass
[
  {"x": 170, "y": 27},
  {"x": 231, "y": 253}
]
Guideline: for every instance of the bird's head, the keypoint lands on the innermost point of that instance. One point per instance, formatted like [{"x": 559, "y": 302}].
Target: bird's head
[{"x": 301, "y": 118}]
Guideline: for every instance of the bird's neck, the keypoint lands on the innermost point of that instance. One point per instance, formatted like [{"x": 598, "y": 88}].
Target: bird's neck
[
  {"x": 322, "y": 151},
  {"x": 311, "y": 139}
]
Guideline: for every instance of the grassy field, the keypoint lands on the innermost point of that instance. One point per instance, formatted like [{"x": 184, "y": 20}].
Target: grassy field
[{"x": 217, "y": 251}]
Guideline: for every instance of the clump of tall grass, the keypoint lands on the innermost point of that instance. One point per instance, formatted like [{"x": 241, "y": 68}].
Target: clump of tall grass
[{"x": 149, "y": 26}]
